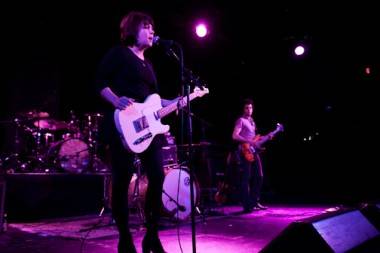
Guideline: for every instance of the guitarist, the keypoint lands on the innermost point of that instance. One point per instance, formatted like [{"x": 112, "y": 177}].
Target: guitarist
[
  {"x": 125, "y": 76},
  {"x": 250, "y": 164}
]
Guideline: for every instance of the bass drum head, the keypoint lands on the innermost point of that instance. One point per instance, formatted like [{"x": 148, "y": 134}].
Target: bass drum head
[
  {"x": 74, "y": 155},
  {"x": 176, "y": 188}
]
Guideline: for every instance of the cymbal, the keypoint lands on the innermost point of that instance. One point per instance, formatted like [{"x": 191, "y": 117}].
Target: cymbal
[
  {"x": 51, "y": 124},
  {"x": 34, "y": 114},
  {"x": 201, "y": 144},
  {"x": 95, "y": 114}
]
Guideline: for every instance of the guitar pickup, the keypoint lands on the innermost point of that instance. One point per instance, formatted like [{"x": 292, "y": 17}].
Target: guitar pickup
[
  {"x": 142, "y": 138},
  {"x": 140, "y": 124}
]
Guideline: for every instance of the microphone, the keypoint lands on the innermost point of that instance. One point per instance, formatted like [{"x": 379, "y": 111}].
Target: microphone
[
  {"x": 167, "y": 44},
  {"x": 158, "y": 41}
]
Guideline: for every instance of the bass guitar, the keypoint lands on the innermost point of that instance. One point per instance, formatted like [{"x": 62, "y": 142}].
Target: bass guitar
[
  {"x": 139, "y": 123},
  {"x": 249, "y": 151}
]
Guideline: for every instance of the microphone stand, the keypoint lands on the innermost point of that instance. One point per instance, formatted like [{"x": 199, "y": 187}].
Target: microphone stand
[{"x": 186, "y": 92}]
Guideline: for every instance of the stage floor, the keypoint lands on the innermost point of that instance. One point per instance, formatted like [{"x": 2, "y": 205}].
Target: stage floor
[{"x": 221, "y": 229}]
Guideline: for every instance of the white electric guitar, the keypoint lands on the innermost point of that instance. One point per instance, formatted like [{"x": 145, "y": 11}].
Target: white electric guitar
[{"x": 139, "y": 123}]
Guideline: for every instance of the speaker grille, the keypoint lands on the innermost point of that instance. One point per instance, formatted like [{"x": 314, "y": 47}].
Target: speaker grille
[{"x": 346, "y": 231}]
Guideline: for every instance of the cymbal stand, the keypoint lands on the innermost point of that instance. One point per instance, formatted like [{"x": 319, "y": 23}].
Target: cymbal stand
[
  {"x": 106, "y": 184},
  {"x": 107, "y": 178},
  {"x": 96, "y": 164},
  {"x": 136, "y": 199},
  {"x": 37, "y": 154},
  {"x": 17, "y": 136}
]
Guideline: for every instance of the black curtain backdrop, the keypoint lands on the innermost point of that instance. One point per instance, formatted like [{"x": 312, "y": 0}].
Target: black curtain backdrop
[{"x": 325, "y": 102}]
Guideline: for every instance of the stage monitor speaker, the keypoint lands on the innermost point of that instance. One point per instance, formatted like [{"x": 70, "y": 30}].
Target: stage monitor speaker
[
  {"x": 335, "y": 232},
  {"x": 372, "y": 212}
]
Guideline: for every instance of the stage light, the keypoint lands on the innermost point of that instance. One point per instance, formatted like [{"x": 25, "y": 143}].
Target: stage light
[
  {"x": 201, "y": 30},
  {"x": 299, "y": 50},
  {"x": 367, "y": 71}
]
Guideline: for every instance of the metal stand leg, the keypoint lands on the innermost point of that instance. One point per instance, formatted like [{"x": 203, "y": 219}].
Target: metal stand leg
[
  {"x": 136, "y": 200},
  {"x": 106, "y": 206},
  {"x": 106, "y": 193}
]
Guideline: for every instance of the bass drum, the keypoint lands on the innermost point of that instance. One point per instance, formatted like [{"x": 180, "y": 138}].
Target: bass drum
[
  {"x": 176, "y": 189},
  {"x": 71, "y": 155}
]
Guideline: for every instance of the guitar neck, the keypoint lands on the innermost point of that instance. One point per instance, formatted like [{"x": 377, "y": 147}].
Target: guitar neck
[
  {"x": 263, "y": 139},
  {"x": 174, "y": 106}
]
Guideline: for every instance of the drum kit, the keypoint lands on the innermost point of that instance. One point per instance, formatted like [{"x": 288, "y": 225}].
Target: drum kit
[{"x": 45, "y": 144}]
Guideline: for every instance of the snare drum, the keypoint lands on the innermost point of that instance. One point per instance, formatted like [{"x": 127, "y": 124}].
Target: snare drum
[{"x": 176, "y": 189}]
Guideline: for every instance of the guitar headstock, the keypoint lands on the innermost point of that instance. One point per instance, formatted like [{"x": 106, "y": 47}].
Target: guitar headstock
[
  {"x": 200, "y": 91},
  {"x": 279, "y": 127}
]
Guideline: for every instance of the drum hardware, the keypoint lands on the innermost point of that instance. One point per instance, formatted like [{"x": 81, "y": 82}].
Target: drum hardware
[
  {"x": 74, "y": 122},
  {"x": 180, "y": 207},
  {"x": 90, "y": 134},
  {"x": 41, "y": 134},
  {"x": 17, "y": 140},
  {"x": 43, "y": 144},
  {"x": 11, "y": 163},
  {"x": 138, "y": 200},
  {"x": 20, "y": 160},
  {"x": 107, "y": 183},
  {"x": 91, "y": 128},
  {"x": 169, "y": 155},
  {"x": 95, "y": 162},
  {"x": 71, "y": 155},
  {"x": 170, "y": 139}
]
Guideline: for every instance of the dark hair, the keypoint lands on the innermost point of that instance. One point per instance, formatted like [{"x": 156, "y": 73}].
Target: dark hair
[
  {"x": 247, "y": 101},
  {"x": 130, "y": 24}
]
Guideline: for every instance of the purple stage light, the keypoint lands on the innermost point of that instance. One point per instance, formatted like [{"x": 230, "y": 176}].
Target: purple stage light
[
  {"x": 201, "y": 30},
  {"x": 299, "y": 50}
]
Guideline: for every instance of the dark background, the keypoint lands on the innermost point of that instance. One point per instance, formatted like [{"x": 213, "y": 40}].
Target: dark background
[{"x": 51, "y": 49}]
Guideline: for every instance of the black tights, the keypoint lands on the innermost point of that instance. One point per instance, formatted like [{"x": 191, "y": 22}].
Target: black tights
[{"x": 122, "y": 171}]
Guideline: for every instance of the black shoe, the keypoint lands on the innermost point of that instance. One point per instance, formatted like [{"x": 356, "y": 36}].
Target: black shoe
[
  {"x": 247, "y": 210},
  {"x": 261, "y": 207},
  {"x": 126, "y": 246},
  {"x": 151, "y": 243}
]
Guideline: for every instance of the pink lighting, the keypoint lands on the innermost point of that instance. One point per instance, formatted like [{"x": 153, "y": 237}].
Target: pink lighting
[
  {"x": 201, "y": 30},
  {"x": 299, "y": 50},
  {"x": 367, "y": 70}
]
